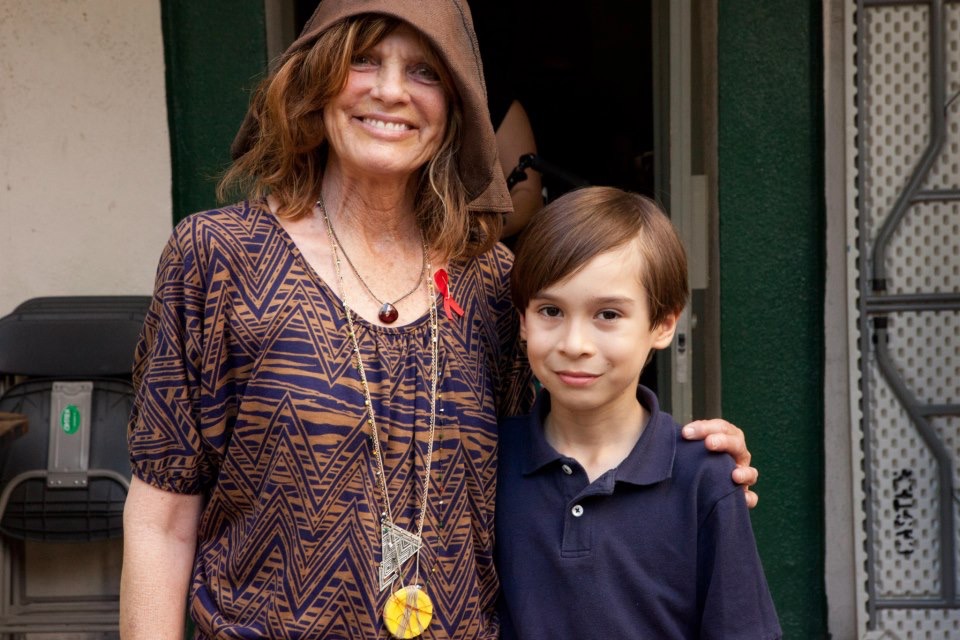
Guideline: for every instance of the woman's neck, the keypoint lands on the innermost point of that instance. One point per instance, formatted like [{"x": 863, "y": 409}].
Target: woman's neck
[
  {"x": 379, "y": 240},
  {"x": 378, "y": 210}
]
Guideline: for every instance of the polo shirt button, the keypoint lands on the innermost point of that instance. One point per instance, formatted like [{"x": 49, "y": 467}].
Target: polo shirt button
[
  {"x": 566, "y": 469},
  {"x": 577, "y": 511}
]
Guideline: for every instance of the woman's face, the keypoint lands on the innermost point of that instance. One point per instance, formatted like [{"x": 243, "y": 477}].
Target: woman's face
[{"x": 390, "y": 118}]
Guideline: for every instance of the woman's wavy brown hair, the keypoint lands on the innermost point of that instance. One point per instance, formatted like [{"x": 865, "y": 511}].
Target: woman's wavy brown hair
[{"x": 288, "y": 154}]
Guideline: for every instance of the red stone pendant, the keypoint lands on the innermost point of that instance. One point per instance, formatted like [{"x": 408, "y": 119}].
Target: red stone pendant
[{"x": 388, "y": 313}]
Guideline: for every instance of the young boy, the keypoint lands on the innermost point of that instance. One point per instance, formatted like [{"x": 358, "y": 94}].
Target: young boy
[{"x": 608, "y": 523}]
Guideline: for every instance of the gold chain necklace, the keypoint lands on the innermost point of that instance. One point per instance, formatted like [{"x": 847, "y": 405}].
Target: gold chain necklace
[
  {"x": 388, "y": 313},
  {"x": 408, "y": 610}
]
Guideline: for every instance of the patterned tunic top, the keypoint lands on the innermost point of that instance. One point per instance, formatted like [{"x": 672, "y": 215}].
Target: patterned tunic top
[{"x": 247, "y": 394}]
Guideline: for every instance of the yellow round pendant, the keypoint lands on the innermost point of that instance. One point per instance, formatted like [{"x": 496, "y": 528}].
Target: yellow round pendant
[{"x": 408, "y": 612}]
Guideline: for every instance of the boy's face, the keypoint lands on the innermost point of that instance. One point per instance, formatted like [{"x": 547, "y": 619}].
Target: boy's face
[{"x": 588, "y": 336}]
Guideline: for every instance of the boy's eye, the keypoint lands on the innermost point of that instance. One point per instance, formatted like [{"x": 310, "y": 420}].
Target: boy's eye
[
  {"x": 608, "y": 314},
  {"x": 549, "y": 311},
  {"x": 425, "y": 73}
]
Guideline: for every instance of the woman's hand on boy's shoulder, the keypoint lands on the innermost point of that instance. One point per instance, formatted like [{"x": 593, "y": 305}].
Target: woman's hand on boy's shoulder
[{"x": 721, "y": 436}]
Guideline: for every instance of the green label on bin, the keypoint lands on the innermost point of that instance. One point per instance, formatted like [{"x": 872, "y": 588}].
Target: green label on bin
[{"x": 70, "y": 419}]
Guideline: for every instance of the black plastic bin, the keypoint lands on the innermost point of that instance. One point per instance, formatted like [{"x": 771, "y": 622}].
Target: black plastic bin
[{"x": 66, "y": 478}]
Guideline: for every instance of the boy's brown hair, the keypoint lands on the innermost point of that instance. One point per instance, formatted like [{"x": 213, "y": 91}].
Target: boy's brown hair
[{"x": 572, "y": 230}]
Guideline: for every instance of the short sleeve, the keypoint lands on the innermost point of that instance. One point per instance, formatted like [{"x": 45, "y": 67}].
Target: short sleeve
[
  {"x": 734, "y": 597},
  {"x": 165, "y": 442}
]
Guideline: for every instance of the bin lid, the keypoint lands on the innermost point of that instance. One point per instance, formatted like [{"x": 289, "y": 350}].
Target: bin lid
[{"x": 72, "y": 336}]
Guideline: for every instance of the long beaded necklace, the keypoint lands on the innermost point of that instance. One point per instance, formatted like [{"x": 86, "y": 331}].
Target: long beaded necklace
[
  {"x": 388, "y": 313},
  {"x": 408, "y": 610}
]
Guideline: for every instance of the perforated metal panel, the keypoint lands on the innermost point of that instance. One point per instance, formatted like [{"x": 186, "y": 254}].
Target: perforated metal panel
[
  {"x": 904, "y": 507},
  {"x": 906, "y": 190},
  {"x": 917, "y": 625},
  {"x": 926, "y": 349}
]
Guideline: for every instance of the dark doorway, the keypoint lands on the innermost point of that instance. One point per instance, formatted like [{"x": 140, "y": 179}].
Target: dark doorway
[{"x": 583, "y": 71}]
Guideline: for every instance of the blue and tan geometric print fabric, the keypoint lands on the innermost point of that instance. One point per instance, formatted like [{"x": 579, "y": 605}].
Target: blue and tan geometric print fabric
[{"x": 247, "y": 394}]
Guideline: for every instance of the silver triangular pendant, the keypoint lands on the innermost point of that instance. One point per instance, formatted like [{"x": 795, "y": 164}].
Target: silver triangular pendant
[{"x": 399, "y": 545}]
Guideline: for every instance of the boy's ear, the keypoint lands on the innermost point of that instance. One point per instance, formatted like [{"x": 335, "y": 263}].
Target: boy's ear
[
  {"x": 663, "y": 332},
  {"x": 523, "y": 326}
]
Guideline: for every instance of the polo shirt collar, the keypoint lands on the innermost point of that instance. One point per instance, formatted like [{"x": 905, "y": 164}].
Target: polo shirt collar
[{"x": 649, "y": 462}]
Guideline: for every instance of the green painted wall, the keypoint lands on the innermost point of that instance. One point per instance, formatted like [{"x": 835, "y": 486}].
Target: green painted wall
[
  {"x": 772, "y": 272},
  {"x": 215, "y": 52}
]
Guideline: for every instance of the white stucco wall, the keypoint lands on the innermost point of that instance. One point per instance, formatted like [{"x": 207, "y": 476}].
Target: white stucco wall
[
  {"x": 85, "y": 203},
  {"x": 84, "y": 153}
]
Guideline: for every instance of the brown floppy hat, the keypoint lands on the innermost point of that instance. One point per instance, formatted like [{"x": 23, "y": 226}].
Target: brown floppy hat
[{"x": 448, "y": 26}]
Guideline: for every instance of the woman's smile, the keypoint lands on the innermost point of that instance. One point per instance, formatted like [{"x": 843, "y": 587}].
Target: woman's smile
[{"x": 386, "y": 125}]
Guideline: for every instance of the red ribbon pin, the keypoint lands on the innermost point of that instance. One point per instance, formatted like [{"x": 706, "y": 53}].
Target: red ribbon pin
[{"x": 450, "y": 305}]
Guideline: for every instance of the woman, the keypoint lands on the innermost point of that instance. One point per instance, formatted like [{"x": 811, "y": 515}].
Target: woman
[{"x": 319, "y": 378}]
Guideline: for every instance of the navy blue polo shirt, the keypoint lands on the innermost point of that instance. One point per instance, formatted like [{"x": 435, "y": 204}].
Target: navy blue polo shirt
[{"x": 659, "y": 547}]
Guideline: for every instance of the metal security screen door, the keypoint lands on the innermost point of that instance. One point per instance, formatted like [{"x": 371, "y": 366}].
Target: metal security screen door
[{"x": 906, "y": 189}]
